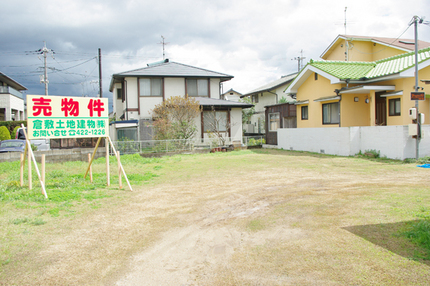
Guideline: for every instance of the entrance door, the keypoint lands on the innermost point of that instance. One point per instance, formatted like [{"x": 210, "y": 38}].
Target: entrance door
[{"x": 380, "y": 110}]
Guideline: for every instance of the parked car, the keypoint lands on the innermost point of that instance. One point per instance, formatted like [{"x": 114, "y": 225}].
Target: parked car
[
  {"x": 42, "y": 144},
  {"x": 13, "y": 145}
]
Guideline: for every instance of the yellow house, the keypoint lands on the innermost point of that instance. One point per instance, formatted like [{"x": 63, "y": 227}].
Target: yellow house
[{"x": 365, "y": 90}]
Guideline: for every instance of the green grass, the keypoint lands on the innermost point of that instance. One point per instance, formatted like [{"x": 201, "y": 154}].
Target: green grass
[
  {"x": 419, "y": 233},
  {"x": 66, "y": 185}
]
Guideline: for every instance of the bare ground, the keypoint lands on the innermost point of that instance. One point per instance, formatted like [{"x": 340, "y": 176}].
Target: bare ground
[{"x": 283, "y": 223}]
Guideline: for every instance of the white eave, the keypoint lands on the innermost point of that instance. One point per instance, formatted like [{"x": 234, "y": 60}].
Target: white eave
[
  {"x": 327, "y": 98},
  {"x": 393, "y": 93},
  {"x": 367, "y": 88},
  {"x": 301, "y": 102}
]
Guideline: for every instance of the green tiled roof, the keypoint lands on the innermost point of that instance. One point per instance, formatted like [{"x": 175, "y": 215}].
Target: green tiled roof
[
  {"x": 362, "y": 70},
  {"x": 343, "y": 70}
]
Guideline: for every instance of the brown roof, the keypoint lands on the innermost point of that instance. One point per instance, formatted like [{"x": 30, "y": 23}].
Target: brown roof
[{"x": 407, "y": 45}]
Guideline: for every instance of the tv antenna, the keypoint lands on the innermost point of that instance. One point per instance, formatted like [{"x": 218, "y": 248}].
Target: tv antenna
[
  {"x": 299, "y": 60},
  {"x": 164, "y": 44}
]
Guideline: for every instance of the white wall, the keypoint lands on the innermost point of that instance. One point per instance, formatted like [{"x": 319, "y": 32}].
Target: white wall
[
  {"x": 214, "y": 88},
  {"x": 11, "y": 102},
  {"x": 174, "y": 87},
  {"x": 391, "y": 141},
  {"x": 236, "y": 123}
]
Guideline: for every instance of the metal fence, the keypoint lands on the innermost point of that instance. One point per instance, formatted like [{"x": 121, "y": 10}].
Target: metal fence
[{"x": 183, "y": 145}]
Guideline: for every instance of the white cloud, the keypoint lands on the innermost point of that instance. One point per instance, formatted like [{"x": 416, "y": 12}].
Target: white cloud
[{"x": 253, "y": 40}]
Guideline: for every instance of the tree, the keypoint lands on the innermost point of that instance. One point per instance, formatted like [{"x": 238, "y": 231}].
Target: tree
[
  {"x": 247, "y": 112},
  {"x": 218, "y": 124},
  {"x": 175, "y": 118}
]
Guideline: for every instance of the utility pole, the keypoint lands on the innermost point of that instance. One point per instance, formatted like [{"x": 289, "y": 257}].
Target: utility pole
[
  {"x": 417, "y": 20},
  {"x": 45, "y": 52},
  {"x": 164, "y": 44},
  {"x": 100, "y": 74},
  {"x": 299, "y": 60}
]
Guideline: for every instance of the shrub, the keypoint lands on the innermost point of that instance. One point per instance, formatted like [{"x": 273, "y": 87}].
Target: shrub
[
  {"x": 4, "y": 133},
  {"x": 13, "y": 134}
]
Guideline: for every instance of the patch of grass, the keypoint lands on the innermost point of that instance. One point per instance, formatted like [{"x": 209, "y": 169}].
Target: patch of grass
[
  {"x": 256, "y": 225},
  {"x": 419, "y": 233}
]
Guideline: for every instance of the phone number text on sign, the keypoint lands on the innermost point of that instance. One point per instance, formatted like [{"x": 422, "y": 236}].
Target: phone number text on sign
[{"x": 67, "y": 117}]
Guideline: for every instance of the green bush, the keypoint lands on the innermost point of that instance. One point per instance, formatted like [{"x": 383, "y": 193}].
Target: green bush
[
  {"x": 13, "y": 134},
  {"x": 4, "y": 133},
  {"x": 10, "y": 125}
]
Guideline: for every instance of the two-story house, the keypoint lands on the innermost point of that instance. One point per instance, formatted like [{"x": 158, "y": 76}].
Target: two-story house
[
  {"x": 361, "y": 81},
  {"x": 137, "y": 92},
  {"x": 11, "y": 100},
  {"x": 265, "y": 95}
]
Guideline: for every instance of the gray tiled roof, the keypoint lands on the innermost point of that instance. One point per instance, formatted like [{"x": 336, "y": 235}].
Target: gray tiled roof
[
  {"x": 272, "y": 85},
  {"x": 173, "y": 69},
  {"x": 219, "y": 103}
]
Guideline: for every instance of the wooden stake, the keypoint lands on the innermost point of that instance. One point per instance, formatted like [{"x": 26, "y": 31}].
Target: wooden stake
[
  {"x": 119, "y": 170},
  {"x": 43, "y": 168},
  {"x": 91, "y": 168},
  {"x": 122, "y": 168},
  {"x": 30, "y": 152},
  {"x": 30, "y": 186},
  {"x": 92, "y": 158},
  {"x": 21, "y": 170},
  {"x": 107, "y": 162}
]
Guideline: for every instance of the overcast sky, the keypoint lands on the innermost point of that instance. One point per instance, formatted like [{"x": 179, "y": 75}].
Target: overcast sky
[{"x": 253, "y": 40}]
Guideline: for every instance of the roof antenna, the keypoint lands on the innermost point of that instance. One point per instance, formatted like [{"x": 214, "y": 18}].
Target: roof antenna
[
  {"x": 299, "y": 60},
  {"x": 346, "y": 39},
  {"x": 164, "y": 44}
]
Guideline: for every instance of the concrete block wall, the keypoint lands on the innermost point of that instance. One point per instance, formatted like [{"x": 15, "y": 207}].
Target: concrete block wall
[
  {"x": 57, "y": 156},
  {"x": 391, "y": 141}
]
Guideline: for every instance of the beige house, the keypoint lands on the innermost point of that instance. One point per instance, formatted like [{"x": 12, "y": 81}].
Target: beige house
[
  {"x": 361, "y": 81},
  {"x": 137, "y": 92}
]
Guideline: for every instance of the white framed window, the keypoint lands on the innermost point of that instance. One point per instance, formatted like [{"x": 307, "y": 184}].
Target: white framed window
[
  {"x": 197, "y": 87},
  {"x": 274, "y": 121},
  {"x": 150, "y": 87},
  {"x": 331, "y": 113}
]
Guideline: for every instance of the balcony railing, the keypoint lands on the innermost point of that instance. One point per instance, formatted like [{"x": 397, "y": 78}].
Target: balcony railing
[{"x": 10, "y": 90}]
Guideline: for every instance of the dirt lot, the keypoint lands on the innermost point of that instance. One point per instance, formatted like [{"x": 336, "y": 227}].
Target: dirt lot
[{"x": 251, "y": 218}]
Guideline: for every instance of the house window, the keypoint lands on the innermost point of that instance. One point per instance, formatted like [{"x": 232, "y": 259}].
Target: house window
[
  {"x": 150, "y": 87},
  {"x": 119, "y": 93},
  {"x": 273, "y": 121},
  {"x": 316, "y": 76},
  {"x": 255, "y": 98},
  {"x": 125, "y": 134},
  {"x": 394, "y": 107},
  {"x": 215, "y": 121},
  {"x": 331, "y": 113},
  {"x": 304, "y": 112},
  {"x": 197, "y": 87}
]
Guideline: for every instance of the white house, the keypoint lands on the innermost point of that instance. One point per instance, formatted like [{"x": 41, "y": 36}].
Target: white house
[
  {"x": 11, "y": 101},
  {"x": 268, "y": 94},
  {"x": 137, "y": 92},
  {"x": 231, "y": 95}
]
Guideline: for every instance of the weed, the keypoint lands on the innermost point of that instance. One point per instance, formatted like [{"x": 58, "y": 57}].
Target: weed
[
  {"x": 38, "y": 221},
  {"x": 419, "y": 234}
]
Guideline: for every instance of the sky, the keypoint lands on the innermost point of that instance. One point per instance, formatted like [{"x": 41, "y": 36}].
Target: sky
[{"x": 253, "y": 40}]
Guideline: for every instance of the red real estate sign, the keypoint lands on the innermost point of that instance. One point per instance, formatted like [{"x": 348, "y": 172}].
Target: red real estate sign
[{"x": 67, "y": 117}]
